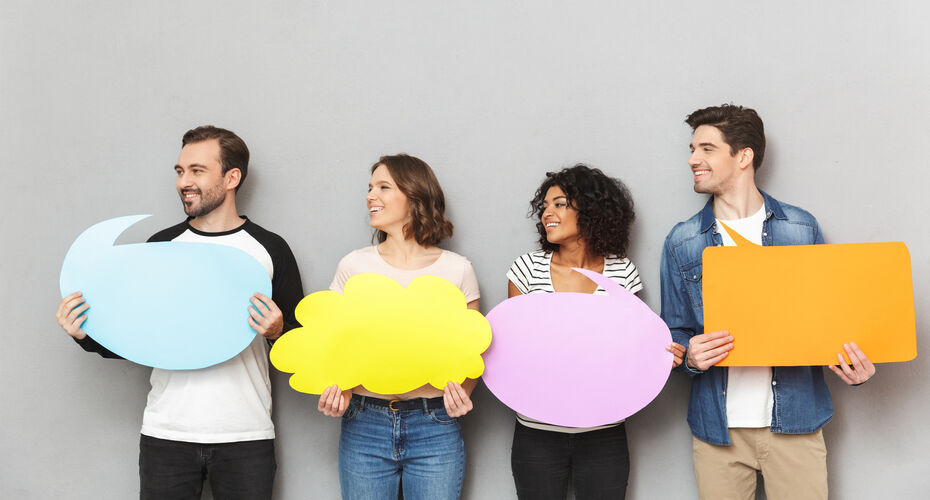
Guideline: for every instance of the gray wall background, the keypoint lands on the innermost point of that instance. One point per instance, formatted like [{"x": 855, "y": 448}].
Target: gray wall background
[{"x": 94, "y": 97}]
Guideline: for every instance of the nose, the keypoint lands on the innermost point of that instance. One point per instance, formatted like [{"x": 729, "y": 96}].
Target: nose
[
  {"x": 184, "y": 180},
  {"x": 546, "y": 212},
  {"x": 370, "y": 196},
  {"x": 694, "y": 160}
]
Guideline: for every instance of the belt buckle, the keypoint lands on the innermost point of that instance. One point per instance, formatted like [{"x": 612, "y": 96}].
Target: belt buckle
[{"x": 391, "y": 405}]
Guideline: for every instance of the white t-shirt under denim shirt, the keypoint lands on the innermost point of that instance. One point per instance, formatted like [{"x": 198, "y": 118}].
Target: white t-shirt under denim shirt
[
  {"x": 749, "y": 388},
  {"x": 530, "y": 274}
]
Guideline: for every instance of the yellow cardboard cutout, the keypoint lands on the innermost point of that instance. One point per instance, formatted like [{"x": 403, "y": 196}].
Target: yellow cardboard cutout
[
  {"x": 798, "y": 305},
  {"x": 384, "y": 337}
]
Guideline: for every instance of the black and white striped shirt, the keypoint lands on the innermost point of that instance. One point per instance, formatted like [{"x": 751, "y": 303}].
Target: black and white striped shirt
[{"x": 530, "y": 274}]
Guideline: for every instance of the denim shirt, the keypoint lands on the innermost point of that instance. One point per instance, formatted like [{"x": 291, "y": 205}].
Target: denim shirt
[{"x": 802, "y": 402}]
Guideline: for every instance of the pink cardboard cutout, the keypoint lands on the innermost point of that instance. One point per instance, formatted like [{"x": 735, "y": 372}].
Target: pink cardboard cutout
[{"x": 576, "y": 359}]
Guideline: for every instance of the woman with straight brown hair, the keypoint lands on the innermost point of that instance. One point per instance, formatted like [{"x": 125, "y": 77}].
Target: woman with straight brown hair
[{"x": 412, "y": 437}]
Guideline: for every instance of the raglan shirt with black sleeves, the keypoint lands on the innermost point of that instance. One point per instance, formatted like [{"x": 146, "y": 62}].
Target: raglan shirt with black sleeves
[{"x": 230, "y": 401}]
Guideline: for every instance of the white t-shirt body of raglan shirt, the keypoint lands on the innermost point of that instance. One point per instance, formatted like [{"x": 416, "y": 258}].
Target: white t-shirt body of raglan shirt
[
  {"x": 749, "y": 388},
  {"x": 224, "y": 403}
]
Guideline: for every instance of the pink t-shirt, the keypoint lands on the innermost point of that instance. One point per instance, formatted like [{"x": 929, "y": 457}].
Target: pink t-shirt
[{"x": 449, "y": 266}]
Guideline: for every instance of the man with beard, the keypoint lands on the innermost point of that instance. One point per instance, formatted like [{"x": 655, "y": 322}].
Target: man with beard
[
  {"x": 745, "y": 420},
  {"x": 213, "y": 422}
]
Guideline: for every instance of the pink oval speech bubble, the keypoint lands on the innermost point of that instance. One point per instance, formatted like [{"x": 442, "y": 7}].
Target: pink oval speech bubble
[{"x": 577, "y": 359}]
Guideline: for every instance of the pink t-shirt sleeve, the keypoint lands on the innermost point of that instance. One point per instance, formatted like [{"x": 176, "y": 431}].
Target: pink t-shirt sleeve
[
  {"x": 343, "y": 273},
  {"x": 470, "y": 283}
]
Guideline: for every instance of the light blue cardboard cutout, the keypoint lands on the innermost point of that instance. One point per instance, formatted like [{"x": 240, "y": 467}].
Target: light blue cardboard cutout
[{"x": 172, "y": 305}]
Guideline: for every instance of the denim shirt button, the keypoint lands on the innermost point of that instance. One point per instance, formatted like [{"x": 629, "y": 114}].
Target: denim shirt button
[
  {"x": 774, "y": 383},
  {"x": 765, "y": 234}
]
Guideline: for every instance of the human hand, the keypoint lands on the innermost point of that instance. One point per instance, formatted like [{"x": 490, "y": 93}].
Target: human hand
[
  {"x": 333, "y": 402},
  {"x": 708, "y": 349},
  {"x": 457, "y": 401},
  {"x": 70, "y": 315},
  {"x": 265, "y": 317},
  {"x": 678, "y": 351},
  {"x": 858, "y": 371}
]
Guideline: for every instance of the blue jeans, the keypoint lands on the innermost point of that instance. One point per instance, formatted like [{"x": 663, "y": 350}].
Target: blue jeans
[
  {"x": 176, "y": 470},
  {"x": 596, "y": 462},
  {"x": 380, "y": 447}
]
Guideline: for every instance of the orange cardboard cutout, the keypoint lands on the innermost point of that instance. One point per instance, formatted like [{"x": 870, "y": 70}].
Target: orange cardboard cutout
[{"x": 798, "y": 305}]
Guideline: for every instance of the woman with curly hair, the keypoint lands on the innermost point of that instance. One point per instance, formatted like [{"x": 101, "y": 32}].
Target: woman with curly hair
[
  {"x": 412, "y": 438},
  {"x": 584, "y": 220}
]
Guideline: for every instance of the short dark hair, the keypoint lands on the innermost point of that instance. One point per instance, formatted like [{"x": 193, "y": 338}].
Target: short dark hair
[
  {"x": 428, "y": 223},
  {"x": 604, "y": 205},
  {"x": 233, "y": 151},
  {"x": 741, "y": 128}
]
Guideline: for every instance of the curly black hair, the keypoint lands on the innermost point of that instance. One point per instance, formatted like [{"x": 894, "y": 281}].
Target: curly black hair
[{"x": 604, "y": 205}]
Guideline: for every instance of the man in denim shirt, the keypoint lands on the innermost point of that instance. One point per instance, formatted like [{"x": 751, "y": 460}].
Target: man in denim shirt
[{"x": 745, "y": 420}]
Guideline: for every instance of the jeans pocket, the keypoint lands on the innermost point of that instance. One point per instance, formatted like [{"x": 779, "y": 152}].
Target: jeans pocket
[
  {"x": 351, "y": 412},
  {"x": 440, "y": 416}
]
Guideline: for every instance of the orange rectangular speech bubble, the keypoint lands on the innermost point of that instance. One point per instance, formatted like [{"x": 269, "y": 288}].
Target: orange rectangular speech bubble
[{"x": 798, "y": 305}]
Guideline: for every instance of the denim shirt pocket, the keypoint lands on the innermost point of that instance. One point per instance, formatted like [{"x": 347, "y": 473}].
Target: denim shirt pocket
[{"x": 692, "y": 274}]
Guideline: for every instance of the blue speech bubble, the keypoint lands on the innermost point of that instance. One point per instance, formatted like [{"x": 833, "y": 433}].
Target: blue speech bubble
[{"x": 172, "y": 305}]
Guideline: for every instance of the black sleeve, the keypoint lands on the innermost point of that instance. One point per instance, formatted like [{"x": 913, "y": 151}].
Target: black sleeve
[
  {"x": 91, "y": 345},
  {"x": 169, "y": 233},
  {"x": 286, "y": 287}
]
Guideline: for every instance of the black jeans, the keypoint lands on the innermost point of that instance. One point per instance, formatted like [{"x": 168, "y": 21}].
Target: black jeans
[
  {"x": 596, "y": 462},
  {"x": 175, "y": 470}
]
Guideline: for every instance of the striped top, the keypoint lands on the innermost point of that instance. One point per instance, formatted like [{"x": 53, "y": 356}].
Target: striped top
[{"x": 530, "y": 274}]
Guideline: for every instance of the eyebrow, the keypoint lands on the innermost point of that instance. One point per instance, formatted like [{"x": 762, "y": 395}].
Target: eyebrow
[
  {"x": 703, "y": 144},
  {"x": 192, "y": 165},
  {"x": 556, "y": 198}
]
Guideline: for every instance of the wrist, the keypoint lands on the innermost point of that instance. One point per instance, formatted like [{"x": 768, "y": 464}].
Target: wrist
[
  {"x": 690, "y": 365},
  {"x": 272, "y": 336}
]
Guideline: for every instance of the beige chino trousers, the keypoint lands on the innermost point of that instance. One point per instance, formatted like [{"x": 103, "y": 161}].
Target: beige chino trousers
[{"x": 793, "y": 466}]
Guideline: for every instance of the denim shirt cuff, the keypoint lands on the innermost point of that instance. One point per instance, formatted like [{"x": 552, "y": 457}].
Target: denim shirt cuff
[{"x": 688, "y": 368}]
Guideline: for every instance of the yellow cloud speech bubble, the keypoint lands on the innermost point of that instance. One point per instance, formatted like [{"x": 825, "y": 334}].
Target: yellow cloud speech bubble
[{"x": 385, "y": 337}]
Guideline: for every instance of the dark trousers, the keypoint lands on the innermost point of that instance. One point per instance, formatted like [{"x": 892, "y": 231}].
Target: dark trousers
[
  {"x": 597, "y": 463},
  {"x": 175, "y": 470}
]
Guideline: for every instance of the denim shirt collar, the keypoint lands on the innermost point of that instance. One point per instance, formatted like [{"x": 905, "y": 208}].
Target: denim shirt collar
[{"x": 772, "y": 209}]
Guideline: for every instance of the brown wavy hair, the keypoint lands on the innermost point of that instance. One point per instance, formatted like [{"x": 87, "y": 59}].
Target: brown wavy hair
[{"x": 428, "y": 224}]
